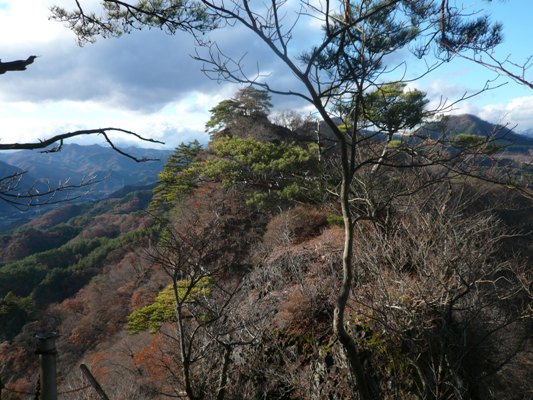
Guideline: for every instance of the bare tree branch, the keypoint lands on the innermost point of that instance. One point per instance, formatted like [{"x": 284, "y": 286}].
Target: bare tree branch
[
  {"x": 61, "y": 137},
  {"x": 18, "y": 65}
]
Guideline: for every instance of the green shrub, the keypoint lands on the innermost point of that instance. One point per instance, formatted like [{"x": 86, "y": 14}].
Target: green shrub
[
  {"x": 15, "y": 312},
  {"x": 335, "y": 220},
  {"x": 163, "y": 309}
]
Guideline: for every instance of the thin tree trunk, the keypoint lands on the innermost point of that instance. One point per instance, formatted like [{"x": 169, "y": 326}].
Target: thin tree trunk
[
  {"x": 223, "y": 378},
  {"x": 383, "y": 154},
  {"x": 184, "y": 357},
  {"x": 364, "y": 386}
]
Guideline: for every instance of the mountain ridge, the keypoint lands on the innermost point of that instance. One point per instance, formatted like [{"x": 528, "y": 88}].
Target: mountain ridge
[
  {"x": 471, "y": 124},
  {"x": 108, "y": 171}
]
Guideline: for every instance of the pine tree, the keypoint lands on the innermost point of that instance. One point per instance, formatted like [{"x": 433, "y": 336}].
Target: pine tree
[
  {"x": 248, "y": 103},
  {"x": 176, "y": 178}
]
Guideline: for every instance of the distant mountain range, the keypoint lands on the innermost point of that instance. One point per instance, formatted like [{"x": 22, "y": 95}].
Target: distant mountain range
[
  {"x": 110, "y": 170},
  {"x": 453, "y": 125},
  {"x": 527, "y": 132},
  {"x": 76, "y": 162}
]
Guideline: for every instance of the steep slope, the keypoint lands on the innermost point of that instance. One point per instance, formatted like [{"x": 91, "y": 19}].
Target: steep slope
[
  {"x": 438, "y": 278},
  {"x": 528, "y": 133},
  {"x": 106, "y": 218},
  {"x": 287, "y": 261}
]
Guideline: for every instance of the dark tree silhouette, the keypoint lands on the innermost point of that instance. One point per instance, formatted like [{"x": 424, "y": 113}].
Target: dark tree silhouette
[{"x": 17, "y": 65}]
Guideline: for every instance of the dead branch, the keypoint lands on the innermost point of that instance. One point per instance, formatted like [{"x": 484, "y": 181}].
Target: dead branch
[
  {"x": 43, "y": 144},
  {"x": 17, "y": 65}
]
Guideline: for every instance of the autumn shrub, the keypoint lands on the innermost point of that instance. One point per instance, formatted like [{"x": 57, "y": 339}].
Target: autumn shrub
[
  {"x": 438, "y": 309},
  {"x": 140, "y": 298},
  {"x": 295, "y": 225},
  {"x": 301, "y": 315}
]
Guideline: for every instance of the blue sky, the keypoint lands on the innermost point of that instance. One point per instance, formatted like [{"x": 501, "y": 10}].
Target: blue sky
[
  {"x": 518, "y": 33},
  {"x": 148, "y": 83}
]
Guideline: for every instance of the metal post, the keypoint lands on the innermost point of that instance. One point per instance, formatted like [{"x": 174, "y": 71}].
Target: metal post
[
  {"x": 46, "y": 348},
  {"x": 94, "y": 383},
  {"x": 318, "y": 139}
]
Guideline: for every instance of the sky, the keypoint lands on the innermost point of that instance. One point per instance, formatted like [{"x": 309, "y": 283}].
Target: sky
[{"x": 147, "y": 82}]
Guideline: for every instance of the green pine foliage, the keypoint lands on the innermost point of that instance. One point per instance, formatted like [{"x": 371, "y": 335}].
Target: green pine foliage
[
  {"x": 271, "y": 172},
  {"x": 221, "y": 115},
  {"x": 53, "y": 275},
  {"x": 177, "y": 177},
  {"x": 392, "y": 109},
  {"x": 247, "y": 103},
  {"x": 478, "y": 143},
  {"x": 15, "y": 311},
  {"x": 163, "y": 309},
  {"x": 468, "y": 140}
]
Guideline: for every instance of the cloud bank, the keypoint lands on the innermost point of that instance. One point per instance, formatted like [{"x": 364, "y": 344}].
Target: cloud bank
[{"x": 145, "y": 81}]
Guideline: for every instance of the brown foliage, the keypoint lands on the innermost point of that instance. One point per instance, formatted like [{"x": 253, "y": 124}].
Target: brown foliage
[
  {"x": 112, "y": 225},
  {"x": 56, "y": 216},
  {"x": 297, "y": 224},
  {"x": 301, "y": 315},
  {"x": 153, "y": 360},
  {"x": 140, "y": 298}
]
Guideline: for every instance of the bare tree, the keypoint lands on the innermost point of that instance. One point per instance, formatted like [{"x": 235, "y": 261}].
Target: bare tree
[
  {"x": 207, "y": 300},
  {"x": 293, "y": 121},
  {"x": 15, "y": 191},
  {"x": 448, "y": 307}
]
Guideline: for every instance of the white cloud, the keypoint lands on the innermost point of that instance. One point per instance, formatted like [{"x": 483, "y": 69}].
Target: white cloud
[
  {"x": 146, "y": 82},
  {"x": 495, "y": 106},
  {"x": 25, "y": 25},
  {"x": 26, "y": 121},
  {"x": 518, "y": 111}
]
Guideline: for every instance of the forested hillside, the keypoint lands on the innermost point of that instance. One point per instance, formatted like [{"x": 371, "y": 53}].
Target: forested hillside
[
  {"x": 222, "y": 282},
  {"x": 467, "y": 124}
]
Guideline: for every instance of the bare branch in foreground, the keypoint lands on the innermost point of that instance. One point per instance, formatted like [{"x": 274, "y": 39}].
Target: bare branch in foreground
[
  {"x": 40, "y": 193},
  {"x": 42, "y": 144},
  {"x": 12, "y": 190},
  {"x": 17, "y": 65}
]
